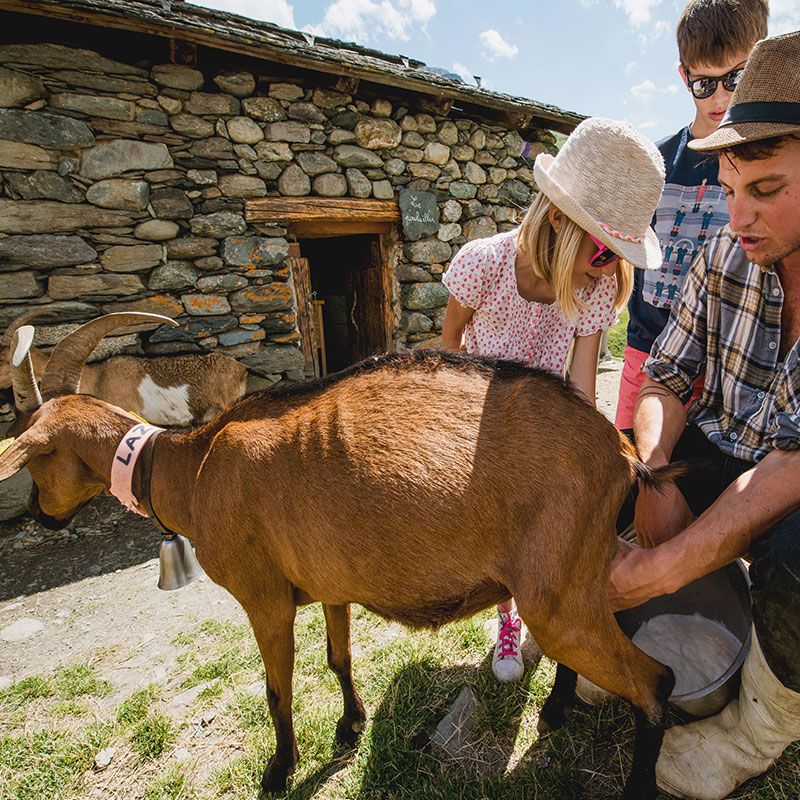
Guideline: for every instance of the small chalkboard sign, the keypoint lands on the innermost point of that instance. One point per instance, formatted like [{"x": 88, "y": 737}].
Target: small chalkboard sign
[{"x": 419, "y": 213}]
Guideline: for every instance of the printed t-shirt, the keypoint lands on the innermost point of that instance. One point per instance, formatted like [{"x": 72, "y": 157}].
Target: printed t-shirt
[{"x": 691, "y": 210}]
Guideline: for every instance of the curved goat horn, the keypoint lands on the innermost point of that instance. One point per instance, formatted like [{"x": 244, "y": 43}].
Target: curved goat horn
[
  {"x": 23, "y": 319},
  {"x": 26, "y": 392},
  {"x": 62, "y": 375}
]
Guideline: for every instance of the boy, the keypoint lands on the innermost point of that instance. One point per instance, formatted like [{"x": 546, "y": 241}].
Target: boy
[{"x": 715, "y": 38}]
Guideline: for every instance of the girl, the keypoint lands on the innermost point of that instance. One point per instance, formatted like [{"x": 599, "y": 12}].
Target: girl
[{"x": 559, "y": 279}]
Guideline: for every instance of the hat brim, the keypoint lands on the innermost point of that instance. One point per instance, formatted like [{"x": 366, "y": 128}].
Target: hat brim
[
  {"x": 741, "y": 133},
  {"x": 645, "y": 255}
]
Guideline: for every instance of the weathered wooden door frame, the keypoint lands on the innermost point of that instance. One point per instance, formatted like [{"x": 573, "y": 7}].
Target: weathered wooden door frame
[{"x": 323, "y": 217}]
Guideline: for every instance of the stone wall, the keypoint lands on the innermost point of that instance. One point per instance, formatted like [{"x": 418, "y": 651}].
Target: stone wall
[{"x": 123, "y": 188}]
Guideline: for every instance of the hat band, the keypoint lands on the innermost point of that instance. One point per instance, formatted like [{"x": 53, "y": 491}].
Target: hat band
[
  {"x": 625, "y": 237},
  {"x": 763, "y": 112}
]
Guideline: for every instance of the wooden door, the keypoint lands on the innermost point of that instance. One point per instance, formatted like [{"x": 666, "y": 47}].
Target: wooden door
[
  {"x": 365, "y": 298},
  {"x": 306, "y": 315}
]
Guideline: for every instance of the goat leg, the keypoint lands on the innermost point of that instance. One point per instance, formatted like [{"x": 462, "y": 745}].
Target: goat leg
[
  {"x": 599, "y": 650},
  {"x": 558, "y": 704},
  {"x": 272, "y": 619},
  {"x": 351, "y": 723},
  {"x": 641, "y": 782}
]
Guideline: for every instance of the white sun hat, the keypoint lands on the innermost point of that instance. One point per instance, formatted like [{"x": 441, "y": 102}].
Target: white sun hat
[{"x": 608, "y": 179}]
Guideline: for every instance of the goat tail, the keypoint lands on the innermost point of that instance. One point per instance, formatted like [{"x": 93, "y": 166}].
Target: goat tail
[{"x": 657, "y": 478}]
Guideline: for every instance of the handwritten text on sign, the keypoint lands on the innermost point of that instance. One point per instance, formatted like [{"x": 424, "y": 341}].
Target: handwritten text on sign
[{"x": 419, "y": 213}]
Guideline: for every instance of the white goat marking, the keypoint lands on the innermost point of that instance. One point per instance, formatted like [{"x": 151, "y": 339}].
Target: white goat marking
[{"x": 165, "y": 405}]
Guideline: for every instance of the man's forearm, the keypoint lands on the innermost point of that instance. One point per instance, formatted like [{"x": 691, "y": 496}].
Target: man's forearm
[
  {"x": 658, "y": 422},
  {"x": 745, "y": 511}
]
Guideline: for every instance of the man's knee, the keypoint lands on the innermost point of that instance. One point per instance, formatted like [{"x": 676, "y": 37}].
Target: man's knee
[{"x": 775, "y": 573}]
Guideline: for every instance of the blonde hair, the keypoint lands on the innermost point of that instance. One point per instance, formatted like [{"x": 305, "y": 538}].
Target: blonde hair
[{"x": 552, "y": 256}]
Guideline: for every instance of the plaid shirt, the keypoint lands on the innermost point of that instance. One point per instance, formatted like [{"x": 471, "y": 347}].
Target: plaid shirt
[{"x": 727, "y": 323}]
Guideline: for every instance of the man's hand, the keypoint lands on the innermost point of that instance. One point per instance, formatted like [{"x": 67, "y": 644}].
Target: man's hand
[
  {"x": 637, "y": 574},
  {"x": 660, "y": 515}
]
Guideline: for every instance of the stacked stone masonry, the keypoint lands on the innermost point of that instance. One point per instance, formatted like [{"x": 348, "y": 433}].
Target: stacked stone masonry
[{"x": 123, "y": 188}]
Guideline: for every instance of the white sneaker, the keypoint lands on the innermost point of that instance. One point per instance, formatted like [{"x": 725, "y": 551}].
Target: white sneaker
[{"x": 507, "y": 664}]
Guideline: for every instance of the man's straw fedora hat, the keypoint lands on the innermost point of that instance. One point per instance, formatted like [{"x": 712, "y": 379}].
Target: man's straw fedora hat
[
  {"x": 766, "y": 102},
  {"x": 608, "y": 179}
]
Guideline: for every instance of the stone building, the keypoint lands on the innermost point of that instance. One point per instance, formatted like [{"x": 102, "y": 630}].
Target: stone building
[{"x": 290, "y": 200}]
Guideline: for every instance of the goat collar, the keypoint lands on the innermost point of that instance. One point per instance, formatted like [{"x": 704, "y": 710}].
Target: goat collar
[{"x": 133, "y": 444}]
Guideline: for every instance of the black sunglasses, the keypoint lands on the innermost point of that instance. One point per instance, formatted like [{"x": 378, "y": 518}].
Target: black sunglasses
[{"x": 702, "y": 88}]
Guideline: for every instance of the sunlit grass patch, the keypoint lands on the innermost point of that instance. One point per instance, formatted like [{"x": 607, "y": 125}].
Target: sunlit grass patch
[
  {"x": 211, "y": 692},
  {"x": 48, "y": 764},
  {"x": 27, "y": 689},
  {"x": 172, "y": 785},
  {"x": 79, "y": 680},
  {"x": 618, "y": 335},
  {"x": 66, "y": 683},
  {"x": 134, "y": 708},
  {"x": 153, "y": 735},
  {"x": 69, "y": 708},
  {"x": 408, "y": 681}
]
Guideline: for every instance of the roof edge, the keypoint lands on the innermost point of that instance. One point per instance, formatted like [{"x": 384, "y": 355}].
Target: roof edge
[{"x": 269, "y": 42}]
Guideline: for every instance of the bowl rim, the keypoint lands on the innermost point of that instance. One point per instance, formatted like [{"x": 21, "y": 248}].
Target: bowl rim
[{"x": 705, "y": 691}]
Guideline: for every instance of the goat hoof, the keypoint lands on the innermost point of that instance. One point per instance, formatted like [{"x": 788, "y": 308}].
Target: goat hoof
[
  {"x": 275, "y": 777},
  {"x": 348, "y": 730},
  {"x": 551, "y": 718},
  {"x": 640, "y": 790}
]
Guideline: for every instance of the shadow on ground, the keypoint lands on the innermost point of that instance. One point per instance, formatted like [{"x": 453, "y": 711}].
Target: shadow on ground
[{"x": 109, "y": 538}]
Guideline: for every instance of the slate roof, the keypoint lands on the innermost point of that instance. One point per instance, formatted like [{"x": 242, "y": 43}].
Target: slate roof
[{"x": 264, "y": 40}]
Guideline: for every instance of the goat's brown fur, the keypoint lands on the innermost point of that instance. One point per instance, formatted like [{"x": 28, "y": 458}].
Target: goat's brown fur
[
  {"x": 215, "y": 380},
  {"x": 423, "y": 486}
]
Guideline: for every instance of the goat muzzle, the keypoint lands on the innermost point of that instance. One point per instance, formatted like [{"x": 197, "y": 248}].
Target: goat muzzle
[{"x": 178, "y": 565}]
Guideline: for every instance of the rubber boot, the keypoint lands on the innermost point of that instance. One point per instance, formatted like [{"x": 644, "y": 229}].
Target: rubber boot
[{"x": 707, "y": 760}]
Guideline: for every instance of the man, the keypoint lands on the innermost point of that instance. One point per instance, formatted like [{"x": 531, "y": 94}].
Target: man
[{"x": 738, "y": 320}]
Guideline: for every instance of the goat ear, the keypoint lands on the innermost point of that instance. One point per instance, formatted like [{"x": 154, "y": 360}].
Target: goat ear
[{"x": 18, "y": 452}]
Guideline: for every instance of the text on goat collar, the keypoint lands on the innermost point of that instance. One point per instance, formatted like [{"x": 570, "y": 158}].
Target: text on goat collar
[{"x": 124, "y": 461}]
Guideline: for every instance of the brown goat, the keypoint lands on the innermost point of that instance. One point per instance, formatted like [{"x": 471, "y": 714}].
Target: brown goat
[
  {"x": 175, "y": 390},
  {"x": 425, "y": 486}
]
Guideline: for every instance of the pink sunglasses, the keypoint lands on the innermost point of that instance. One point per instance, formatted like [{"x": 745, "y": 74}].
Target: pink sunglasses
[{"x": 603, "y": 255}]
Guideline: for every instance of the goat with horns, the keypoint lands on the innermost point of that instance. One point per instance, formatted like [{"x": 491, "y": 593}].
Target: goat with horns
[
  {"x": 176, "y": 390},
  {"x": 498, "y": 477}
]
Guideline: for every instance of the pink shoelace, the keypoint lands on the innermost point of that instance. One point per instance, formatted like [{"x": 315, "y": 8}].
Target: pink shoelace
[{"x": 509, "y": 635}]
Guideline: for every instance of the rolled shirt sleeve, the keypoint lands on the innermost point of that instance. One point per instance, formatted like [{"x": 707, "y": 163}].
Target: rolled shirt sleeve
[
  {"x": 785, "y": 428},
  {"x": 786, "y": 432},
  {"x": 678, "y": 355}
]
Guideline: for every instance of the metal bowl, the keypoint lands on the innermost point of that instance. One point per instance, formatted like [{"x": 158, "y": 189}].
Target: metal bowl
[{"x": 722, "y": 596}]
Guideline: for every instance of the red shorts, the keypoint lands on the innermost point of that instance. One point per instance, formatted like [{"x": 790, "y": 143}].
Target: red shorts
[{"x": 631, "y": 382}]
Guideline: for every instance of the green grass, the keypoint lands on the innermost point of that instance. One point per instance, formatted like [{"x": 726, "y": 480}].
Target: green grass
[
  {"x": 153, "y": 735},
  {"x": 25, "y": 690},
  {"x": 48, "y": 764},
  {"x": 173, "y": 785},
  {"x": 618, "y": 335},
  {"x": 408, "y": 681},
  {"x": 78, "y": 681},
  {"x": 67, "y": 683},
  {"x": 134, "y": 708}
]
